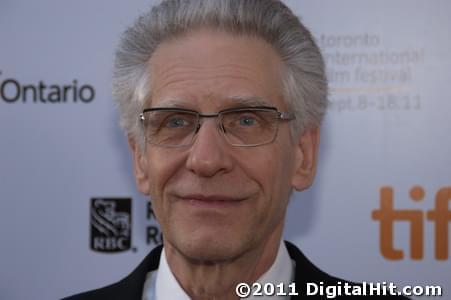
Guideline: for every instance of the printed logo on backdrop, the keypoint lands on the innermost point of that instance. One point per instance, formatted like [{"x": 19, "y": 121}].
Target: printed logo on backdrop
[
  {"x": 438, "y": 216},
  {"x": 111, "y": 223},
  {"x": 368, "y": 74},
  {"x": 13, "y": 90}
]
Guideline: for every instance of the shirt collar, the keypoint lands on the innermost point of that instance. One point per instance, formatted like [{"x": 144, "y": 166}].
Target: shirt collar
[
  {"x": 167, "y": 287},
  {"x": 281, "y": 271}
]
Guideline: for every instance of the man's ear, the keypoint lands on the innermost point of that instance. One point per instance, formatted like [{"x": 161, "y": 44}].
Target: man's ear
[
  {"x": 140, "y": 168},
  {"x": 306, "y": 159}
]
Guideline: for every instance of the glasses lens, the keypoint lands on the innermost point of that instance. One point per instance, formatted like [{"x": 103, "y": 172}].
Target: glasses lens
[
  {"x": 169, "y": 128},
  {"x": 250, "y": 127}
]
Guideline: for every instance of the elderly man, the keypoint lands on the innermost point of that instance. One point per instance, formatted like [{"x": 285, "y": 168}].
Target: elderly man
[{"x": 222, "y": 102}]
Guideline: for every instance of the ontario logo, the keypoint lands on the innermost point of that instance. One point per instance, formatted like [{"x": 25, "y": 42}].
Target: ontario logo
[
  {"x": 111, "y": 223},
  {"x": 12, "y": 90}
]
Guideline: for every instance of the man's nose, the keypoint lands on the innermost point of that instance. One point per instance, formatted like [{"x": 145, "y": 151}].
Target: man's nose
[{"x": 210, "y": 152}]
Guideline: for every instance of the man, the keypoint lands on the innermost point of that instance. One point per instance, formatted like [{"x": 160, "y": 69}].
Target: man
[{"x": 222, "y": 102}]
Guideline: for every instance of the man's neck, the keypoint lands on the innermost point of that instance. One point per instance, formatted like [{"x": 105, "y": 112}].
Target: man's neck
[{"x": 217, "y": 280}]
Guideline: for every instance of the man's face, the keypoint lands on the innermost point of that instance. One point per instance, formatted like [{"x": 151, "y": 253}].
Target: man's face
[{"x": 215, "y": 201}]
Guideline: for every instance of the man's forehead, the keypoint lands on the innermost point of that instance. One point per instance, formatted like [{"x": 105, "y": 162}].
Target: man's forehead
[
  {"x": 215, "y": 70},
  {"x": 197, "y": 48}
]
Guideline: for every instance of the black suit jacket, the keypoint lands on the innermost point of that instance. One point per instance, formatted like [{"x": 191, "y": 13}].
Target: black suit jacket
[{"x": 131, "y": 287}]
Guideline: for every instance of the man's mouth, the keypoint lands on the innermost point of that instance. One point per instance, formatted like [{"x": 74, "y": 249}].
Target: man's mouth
[{"x": 214, "y": 200}]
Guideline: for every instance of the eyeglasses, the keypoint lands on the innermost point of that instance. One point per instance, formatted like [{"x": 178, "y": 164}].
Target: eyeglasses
[{"x": 241, "y": 127}]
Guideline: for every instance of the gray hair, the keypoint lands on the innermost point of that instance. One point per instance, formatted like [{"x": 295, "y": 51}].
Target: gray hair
[{"x": 304, "y": 80}]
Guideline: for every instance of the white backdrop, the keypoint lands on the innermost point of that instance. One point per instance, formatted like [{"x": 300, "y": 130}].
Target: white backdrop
[{"x": 389, "y": 63}]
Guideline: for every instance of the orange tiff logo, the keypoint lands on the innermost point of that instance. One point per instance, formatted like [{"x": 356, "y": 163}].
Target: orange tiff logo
[{"x": 440, "y": 216}]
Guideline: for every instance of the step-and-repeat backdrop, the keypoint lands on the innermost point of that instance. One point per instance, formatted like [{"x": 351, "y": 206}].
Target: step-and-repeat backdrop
[{"x": 71, "y": 218}]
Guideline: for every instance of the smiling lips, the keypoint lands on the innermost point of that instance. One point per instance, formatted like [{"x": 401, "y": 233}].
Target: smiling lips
[{"x": 211, "y": 200}]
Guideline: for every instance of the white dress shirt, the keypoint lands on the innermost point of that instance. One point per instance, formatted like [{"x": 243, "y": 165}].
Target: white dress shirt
[{"x": 162, "y": 285}]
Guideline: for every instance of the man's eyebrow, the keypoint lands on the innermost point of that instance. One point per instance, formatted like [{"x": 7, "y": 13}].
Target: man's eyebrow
[
  {"x": 173, "y": 103},
  {"x": 248, "y": 101},
  {"x": 229, "y": 102}
]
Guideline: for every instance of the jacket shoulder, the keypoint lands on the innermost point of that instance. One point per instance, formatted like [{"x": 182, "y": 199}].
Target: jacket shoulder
[
  {"x": 307, "y": 273},
  {"x": 130, "y": 287}
]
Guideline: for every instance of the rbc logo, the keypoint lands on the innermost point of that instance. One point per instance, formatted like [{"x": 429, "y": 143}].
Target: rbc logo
[
  {"x": 110, "y": 224},
  {"x": 440, "y": 215}
]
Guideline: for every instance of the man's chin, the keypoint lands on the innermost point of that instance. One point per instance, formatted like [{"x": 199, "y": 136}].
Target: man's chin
[{"x": 208, "y": 249}]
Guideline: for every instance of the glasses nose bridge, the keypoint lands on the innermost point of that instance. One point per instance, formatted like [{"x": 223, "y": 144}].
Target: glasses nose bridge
[{"x": 209, "y": 116}]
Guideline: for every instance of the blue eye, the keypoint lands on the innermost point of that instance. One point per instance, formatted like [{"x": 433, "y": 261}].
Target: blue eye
[
  {"x": 247, "y": 121},
  {"x": 176, "y": 122}
]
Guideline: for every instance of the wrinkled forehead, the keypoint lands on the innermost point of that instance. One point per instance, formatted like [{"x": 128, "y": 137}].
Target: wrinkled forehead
[{"x": 209, "y": 65}]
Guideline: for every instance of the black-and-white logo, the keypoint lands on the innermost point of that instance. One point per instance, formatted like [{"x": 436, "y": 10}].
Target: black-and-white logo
[{"x": 111, "y": 222}]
